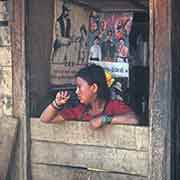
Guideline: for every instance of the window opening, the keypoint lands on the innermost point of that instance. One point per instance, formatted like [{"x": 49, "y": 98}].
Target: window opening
[{"x": 70, "y": 35}]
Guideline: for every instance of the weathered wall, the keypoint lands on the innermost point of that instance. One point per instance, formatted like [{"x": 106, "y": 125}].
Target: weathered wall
[
  {"x": 8, "y": 125},
  {"x": 5, "y": 62},
  {"x": 8, "y": 137},
  {"x": 158, "y": 118},
  {"x": 71, "y": 53},
  {"x": 14, "y": 39},
  {"x": 160, "y": 90}
]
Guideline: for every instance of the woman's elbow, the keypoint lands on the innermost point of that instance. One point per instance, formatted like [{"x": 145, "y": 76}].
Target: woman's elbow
[
  {"x": 54, "y": 120},
  {"x": 134, "y": 120},
  {"x": 45, "y": 119}
]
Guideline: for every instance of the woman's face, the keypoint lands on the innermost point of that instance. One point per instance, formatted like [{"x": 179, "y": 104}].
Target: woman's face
[{"x": 86, "y": 93}]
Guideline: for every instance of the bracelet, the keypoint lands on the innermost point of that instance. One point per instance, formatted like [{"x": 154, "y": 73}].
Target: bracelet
[
  {"x": 56, "y": 106},
  {"x": 106, "y": 120}
]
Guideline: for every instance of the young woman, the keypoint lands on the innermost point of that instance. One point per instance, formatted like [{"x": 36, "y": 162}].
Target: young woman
[{"x": 95, "y": 103}]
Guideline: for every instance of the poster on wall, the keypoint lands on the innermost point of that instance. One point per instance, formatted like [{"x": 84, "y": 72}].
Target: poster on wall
[
  {"x": 108, "y": 37},
  {"x": 83, "y": 36},
  {"x": 117, "y": 69},
  {"x": 70, "y": 50},
  {"x": 108, "y": 44}
]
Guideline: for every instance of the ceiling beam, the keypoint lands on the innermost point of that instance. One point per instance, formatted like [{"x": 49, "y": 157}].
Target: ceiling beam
[{"x": 113, "y": 5}]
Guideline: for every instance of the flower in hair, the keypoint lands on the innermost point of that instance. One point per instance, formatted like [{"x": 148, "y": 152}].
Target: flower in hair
[{"x": 109, "y": 78}]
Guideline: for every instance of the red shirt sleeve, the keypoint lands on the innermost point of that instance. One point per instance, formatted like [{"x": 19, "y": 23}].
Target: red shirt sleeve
[
  {"x": 72, "y": 113},
  {"x": 117, "y": 107}
]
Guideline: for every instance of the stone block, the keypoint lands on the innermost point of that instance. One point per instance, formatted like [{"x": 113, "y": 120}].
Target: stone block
[
  {"x": 5, "y": 91},
  {"x": 5, "y": 36},
  {"x": 3, "y": 11},
  {"x": 5, "y": 56}
]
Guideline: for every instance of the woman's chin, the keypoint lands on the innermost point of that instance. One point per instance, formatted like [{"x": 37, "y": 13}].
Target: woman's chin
[{"x": 83, "y": 102}]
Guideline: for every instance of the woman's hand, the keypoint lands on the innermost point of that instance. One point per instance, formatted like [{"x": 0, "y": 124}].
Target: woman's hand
[
  {"x": 96, "y": 123},
  {"x": 50, "y": 114},
  {"x": 101, "y": 121},
  {"x": 62, "y": 98}
]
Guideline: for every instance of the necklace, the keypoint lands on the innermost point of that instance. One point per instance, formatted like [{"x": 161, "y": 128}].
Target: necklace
[
  {"x": 98, "y": 111},
  {"x": 88, "y": 108}
]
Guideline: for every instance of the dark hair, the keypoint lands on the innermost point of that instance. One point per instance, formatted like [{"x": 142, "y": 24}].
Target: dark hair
[
  {"x": 95, "y": 74},
  {"x": 96, "y": 37},
  {"x": 64, "y": 9}
]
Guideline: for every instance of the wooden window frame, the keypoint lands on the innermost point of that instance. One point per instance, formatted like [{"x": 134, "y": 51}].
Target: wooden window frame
[{"x": 160, "y": 87}]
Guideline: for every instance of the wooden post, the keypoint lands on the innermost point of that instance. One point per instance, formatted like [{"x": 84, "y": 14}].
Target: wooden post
[
  {"x": 20, "y": 100},
  {"x": 160, "y": 89},
  {"x": 175, "y": 164}
]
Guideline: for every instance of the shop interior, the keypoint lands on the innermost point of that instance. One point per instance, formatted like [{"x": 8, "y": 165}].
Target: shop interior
[{"x": 40, "y": 40}]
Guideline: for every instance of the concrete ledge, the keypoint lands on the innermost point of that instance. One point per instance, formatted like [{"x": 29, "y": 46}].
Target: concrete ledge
[
  {"x": 119, "y": 148},
  {"x": 75, "y": 132}
]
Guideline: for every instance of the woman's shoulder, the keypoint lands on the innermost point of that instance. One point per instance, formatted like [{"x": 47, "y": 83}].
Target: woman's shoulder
[
  {"x": 77, "y": 107},
  {"x": 80, "y": 106},
  {"x": 118, "y": 106},
  {"x": 115, "y": 101}
]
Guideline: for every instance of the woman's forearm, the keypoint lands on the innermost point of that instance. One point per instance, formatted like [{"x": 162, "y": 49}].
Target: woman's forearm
[
  {"x": 50, "y": 115},
  {"x": 129, "y": 118}
]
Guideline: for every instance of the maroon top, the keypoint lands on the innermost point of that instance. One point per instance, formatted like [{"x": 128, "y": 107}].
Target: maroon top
[{"x": 113, "y": 107}]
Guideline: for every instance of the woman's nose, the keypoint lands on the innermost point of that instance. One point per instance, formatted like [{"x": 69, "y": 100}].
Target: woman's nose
[{"x": 77, "y": 90}]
